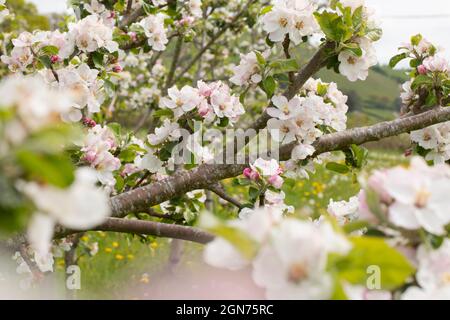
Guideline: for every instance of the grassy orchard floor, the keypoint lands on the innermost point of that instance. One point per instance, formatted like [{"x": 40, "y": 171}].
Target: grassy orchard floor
[{"x": 124, "y": 262}]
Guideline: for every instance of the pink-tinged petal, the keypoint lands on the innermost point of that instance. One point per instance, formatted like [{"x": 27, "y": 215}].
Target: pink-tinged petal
[
  {"x": 430, "y": 221},
  {"x": 402, "y": 215}
]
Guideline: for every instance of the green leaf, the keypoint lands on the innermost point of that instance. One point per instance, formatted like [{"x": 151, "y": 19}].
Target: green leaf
[
  {"x": 421, "y": 80},
  {"x": 359, "y": 155},
  {"x": 260, "y": 58},
  {"x": 431, "y": 99},
  {"x": 253, "y": 193},
  {"x": 266, "y": 10},
  {"x": 374, "y": 34},
  {"x": 332, "y": 25},
  {"x": 367, "y": 252},
  {"x": 97, "y": 58},
  {"x": 322, "y": 89},
  {"x": 162, "y": 113},
  {"x": 269, "y": 85},
  {"x": 50, "y": 50},
  {"x": 284, "y": 66},
  {"x": 396, "y": 59},
  {"x": 56, "y": 170},
  {"x": 127, "y": 155},
  {"x": 337, "y": 167},
  {"x": 415, "y": 40},
  {"x": 353, "y": 48}
]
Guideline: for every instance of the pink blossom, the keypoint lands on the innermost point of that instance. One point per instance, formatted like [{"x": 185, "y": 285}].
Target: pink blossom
[
  {"x": 90, "y": 156},
  {"x": 276, "y": 181},
  {"x": 117, "y": 68},
  {"x": 54, "y": 59},
  {"x": 422, "y": 69},
  {"x": 251, "y": 174}
]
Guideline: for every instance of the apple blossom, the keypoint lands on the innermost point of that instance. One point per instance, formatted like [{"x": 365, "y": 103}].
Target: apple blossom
[
  {"x": 91, "y": 34},
  {"x": 433, "y": 275},
  {"x": 82, "y": 205},
  {"x": 168, "y": 131},
  {"x": 436, "y": 64},
  {"x": 418, "y": 196},
  {"x": 354, "y": 67},
  {"x": 248, "y": 70},
  {"x": 344, "y": 211},
  {"x": 97, "y": 147},
  {"x": 292, "y": 17},
  {"x": 155, "y": 31},
  {"x": 292, "y": 265}
]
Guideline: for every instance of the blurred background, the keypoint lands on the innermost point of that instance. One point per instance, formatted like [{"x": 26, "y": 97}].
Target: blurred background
[{"x": 124, "y": 266}]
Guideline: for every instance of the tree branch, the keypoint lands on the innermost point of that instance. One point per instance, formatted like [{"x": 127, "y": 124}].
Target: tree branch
[
  {"x": 140, "y": 199},
  {"x": 219, "y": 190},
  {"x": 149, "y": 228}
]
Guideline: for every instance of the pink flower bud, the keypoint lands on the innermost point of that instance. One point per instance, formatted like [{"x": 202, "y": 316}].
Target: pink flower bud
[
  {"x": 117, "y": 69},
  {"x": 54, "y": 59},
  {"x": 276, "y": 181},
  {"x": 112, "y": 15},
  {"x": 250, "y": 174},
  {"x": 203, "y": 110},
  {"x": 408, "y": 152},
  {"x": 422, "y": 69},
  {"x": 90, "y": 156},
  {"x": 133, "y": 36},
  {"x": 89, "y": 122}
]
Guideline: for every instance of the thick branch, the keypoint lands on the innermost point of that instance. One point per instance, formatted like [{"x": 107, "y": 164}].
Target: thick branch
[
  {"x": 155, "y": 229},
  {"x": 203, "y": 176}
]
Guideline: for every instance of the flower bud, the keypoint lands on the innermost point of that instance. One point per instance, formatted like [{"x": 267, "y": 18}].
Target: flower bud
[{"x": 422, "y": 69}]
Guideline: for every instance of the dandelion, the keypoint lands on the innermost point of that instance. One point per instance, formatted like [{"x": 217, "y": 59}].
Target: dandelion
[{"x": 119, "y": 257}]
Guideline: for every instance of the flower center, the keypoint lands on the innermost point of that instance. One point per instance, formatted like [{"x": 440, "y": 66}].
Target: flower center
[
  {"x": 179, "y": 103},
  {"x": 283, "y": 22},
  {"x": 446, "y": 278},
  {"x": 299, "y": 25},
  {"x": 351, "y": 60},
  {"x": 297, "y": 273},
  {"x": 426, "y": 136},
  {"x": 286, "y": 109},
  {"x": 422, "y": 197}
]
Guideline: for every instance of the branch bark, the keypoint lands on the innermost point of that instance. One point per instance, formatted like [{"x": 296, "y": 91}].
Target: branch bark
[
  {"x": 152, "y": 228},
  {"x": 204, "y": 175}
]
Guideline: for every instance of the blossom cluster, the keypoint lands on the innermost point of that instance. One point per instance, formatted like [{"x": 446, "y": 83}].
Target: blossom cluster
[
  {"x": 34, "y": 105},
  {"x": 97, "y": 148},
  {"x": 355, "y": 65},
  {"x": 294, "y": 18},
  {"x": 303, "y": 118},
  {"x": 248, "y": 71},
  {"x": 154, "y": 30},
  {"x": 209, "y": 100},
  {"x": 412, "y": 198},
  {"x": 88, "y": 35}
]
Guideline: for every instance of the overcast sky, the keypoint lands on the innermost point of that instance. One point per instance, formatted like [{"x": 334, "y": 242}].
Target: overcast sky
[{"x": 400, "y": 19}]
